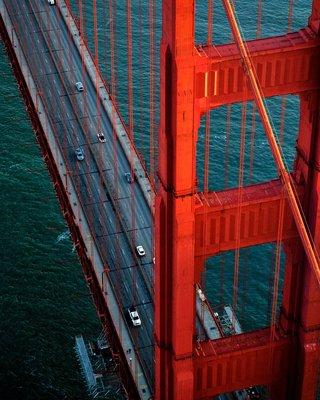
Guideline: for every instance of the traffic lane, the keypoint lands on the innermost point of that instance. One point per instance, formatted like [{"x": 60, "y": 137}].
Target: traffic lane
[
  {"x": 127, "y": 253},
  {"x": 143, "y": 339},
  {"x": 64, "y": 85},
  {"x": 105, "y": 223},
  {"x": 144, "y": 336},
  {"x": 94, "y": 176},
  {"x": 116, "y": 246},
  {"x": 70, "y": 143},
  {"x": 65, "y": 107},
  {"x": 133, "y": 216},
  {"x": 115, "y": 153},
  {"x": 120, "y": 153},
  {"x": 35, "y": 57},
  {"x": 55, "y": 105},
  {"x": 48, "y": 79},
  {"x": 129, "y": 282}
]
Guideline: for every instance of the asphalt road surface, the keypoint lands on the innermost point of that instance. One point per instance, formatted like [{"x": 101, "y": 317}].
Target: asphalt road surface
[{"x": 117, "y": 211}]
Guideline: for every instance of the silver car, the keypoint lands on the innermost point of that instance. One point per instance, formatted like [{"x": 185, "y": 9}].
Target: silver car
[
  {"x": 101, "y": 137},
  {"x": 79, "y": 86},
  {"x": 79, "y": 154}
]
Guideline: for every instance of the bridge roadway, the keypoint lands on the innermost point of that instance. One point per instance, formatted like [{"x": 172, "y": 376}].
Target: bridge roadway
[
  {"x": 117, "y": 212},
  {"x": 99, "y": 179}
]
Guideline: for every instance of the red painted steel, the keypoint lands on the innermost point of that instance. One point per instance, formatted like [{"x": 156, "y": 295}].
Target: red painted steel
[
  {"x": 194, "y": 80},
  {"x": 241, "y": 361},
  {"x": 175, "y": 234},
  {"x": 307, "y": 241},
  {"x": 285, "y": 65},
  {"x": 259, "y": 211}
]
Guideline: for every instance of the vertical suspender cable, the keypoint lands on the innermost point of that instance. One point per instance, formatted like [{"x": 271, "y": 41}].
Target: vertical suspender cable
[
  {"x": 131, "y": 135},
  {"x": 259, "y": 19},
  {"x": 96, "y": 61},
  {"x": 239, "y": 203},
  {"x": 254, "y": 107},
  {"x": 140, "y": 67},
  {"x": 284, "y": 98},
  {"x": 227, "y": 150},
  {"x": 210, "y": 22},
  {"x": 276, "y": 276},
  {"x": 112, "y": 13},
  {"x": 275, "y": 288},
  {"x": 207, "y": 145},
  {"x": 290, "y": 15},
  {"x": 207, "y": 128},
  {"x": 152, "y": 88},
  {"x": 129, "y": 62}
]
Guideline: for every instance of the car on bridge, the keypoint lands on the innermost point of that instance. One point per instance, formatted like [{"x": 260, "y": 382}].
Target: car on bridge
[
  {"x": 79, "y": 154},
  {"x": 140, "y": 251},
  {"x": 79, "y": 86},
  {"x": 52, "y": 2},
  {"x": 253, "y": 393},
  {"x": 129, "y": 177},
  {"x": 134, "y": 316},
  {"x": 101, "y": 137}
]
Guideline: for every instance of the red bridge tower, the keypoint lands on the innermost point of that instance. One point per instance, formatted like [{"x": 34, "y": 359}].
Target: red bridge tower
[{"x": 192, "y": 84}]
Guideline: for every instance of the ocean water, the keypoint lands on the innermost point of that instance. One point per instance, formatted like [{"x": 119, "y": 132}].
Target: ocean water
[{"x": 43, "y": 297}]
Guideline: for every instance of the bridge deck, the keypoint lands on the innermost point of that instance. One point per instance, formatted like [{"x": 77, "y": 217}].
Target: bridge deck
[
  {"x": 113, "y": 215},
  {"x": 99, "y": 193}
]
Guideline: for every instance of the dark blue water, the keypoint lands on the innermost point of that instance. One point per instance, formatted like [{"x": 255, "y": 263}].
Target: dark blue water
[{"x": 44, "y": 300}]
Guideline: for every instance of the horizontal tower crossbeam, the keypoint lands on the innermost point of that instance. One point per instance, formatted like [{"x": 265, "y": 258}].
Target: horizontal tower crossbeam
[
  {"x": 217, "y": 216},
  {"x": 240, "y": 361},
  {"x": 285, "y": 64}
]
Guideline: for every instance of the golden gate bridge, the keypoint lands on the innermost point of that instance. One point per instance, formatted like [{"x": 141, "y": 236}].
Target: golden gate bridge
[{"x": 143, "y": 233}]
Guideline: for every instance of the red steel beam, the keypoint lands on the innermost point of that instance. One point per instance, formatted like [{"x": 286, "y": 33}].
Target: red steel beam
[
  {"x": 285, "y": 64},
  {"x": 236, "y": 362},
  {"x": 259, "y": 218}
]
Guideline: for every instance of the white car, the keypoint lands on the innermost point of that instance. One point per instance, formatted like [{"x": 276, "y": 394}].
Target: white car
[
  {"x": 134, "y": 316},
  {"x": 79, "y": 86},
  {"x": 101, "y": 137},
  {"x": 201, "y": 295},
  {"x": 52, "y": 2},
  {"x": 140, "y": 251}
]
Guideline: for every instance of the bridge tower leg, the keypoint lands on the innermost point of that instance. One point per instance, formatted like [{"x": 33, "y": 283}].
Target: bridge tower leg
[
  {"x": 176, "y": 270},
  {"x": 300, "y": 314},
  {"x": 175, "y": 231},
  {"x": 308, "y": 168},
  {"x": 301, "y": 296}
]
